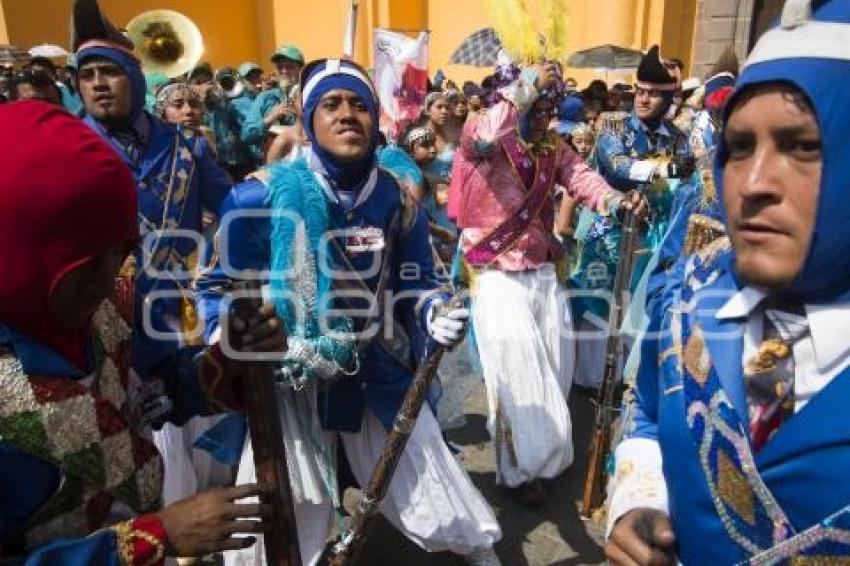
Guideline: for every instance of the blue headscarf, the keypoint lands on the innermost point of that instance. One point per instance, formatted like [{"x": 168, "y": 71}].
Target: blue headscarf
[
  {"x": 131, "y": 67},
  {"x": 321, "y": 77},
  {"x": 797, "y": 54}
]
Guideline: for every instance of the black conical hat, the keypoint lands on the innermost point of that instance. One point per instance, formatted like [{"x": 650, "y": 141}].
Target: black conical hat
[
  {"x": 652, "y": 71},
  {"x": 89, "y": 23}
]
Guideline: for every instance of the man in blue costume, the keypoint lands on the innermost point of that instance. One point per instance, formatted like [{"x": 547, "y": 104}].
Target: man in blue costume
[
  {"x": 738, "y": 449},
  {"x": 330, "y": 225},
  {"x": 176, "y": 174},
  {"x": 639, "y": 151},
  {"x": 274, "y": 107}
]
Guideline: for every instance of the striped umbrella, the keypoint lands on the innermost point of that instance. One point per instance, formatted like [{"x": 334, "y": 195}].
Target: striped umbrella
[
  {"x": 481, "y": 49},
  {"x": 606, "y": 57}
]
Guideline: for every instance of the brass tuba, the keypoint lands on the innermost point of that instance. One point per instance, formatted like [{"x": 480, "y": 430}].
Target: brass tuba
[{"x": 166, "y": 41}]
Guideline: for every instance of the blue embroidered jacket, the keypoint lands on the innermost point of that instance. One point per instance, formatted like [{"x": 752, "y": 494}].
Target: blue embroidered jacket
[
  {"x": 381, "y": 381},
  {"x": 177, "y": 178},
  {"x": 617, "y": 150},
  {"x": 690, "y": 398}
]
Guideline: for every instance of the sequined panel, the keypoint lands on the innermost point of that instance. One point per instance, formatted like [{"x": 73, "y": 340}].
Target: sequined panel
[
  {"x": 734, "y": 489},
  {"x": 696, "y": 358}
]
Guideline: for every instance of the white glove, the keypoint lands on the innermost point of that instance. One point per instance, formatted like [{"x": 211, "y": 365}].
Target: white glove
[{"x": 447, "y": 328}]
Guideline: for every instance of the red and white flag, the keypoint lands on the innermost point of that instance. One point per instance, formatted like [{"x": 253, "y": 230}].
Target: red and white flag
[{"x": 401, "y": 78}]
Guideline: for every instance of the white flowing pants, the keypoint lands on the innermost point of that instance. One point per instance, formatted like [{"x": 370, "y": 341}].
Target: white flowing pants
[
  {"x": 188, "y": 470},
  {"x": 528, "y": 355},
  {"x": 431, "y": 499}
]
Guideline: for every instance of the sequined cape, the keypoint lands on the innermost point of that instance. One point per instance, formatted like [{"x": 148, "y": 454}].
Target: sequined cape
[
  {"x": 245, "y": 242},
  {"x": 690, "y": 399},
  {"x": 68, "y": 451}
]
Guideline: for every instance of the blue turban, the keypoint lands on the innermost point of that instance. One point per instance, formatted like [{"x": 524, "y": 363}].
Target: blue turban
[
  {"x": 321, "y": 77},
  {"x": 570, "y": 115},
  {"x": 799, "y": 52},
  {"x": 131, "y": 67}
]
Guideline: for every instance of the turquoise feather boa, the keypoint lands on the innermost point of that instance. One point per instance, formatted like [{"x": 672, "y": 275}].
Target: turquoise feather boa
[{"x": 300, "y": 291}]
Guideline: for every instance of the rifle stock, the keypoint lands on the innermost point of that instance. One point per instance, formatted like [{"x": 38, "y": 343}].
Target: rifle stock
[
  {"x": 281, "y": 540},
  {"x": 345, "y": 550},
  {"x": 594, "y": 485}
]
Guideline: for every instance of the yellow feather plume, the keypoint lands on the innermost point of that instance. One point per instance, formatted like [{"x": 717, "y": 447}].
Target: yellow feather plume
[
  {"x": 515, "y": 29},
  {"x": 555, "y": 28}
]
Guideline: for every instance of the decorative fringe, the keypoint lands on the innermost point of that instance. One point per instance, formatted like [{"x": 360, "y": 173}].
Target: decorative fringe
[
  {"x": 614, "y": 122},
  {"x": 555, "y": 29},
  {"x": 515, "y": 29}
]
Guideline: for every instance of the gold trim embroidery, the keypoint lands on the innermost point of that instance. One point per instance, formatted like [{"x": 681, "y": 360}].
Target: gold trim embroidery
[{"x": 125, "y": 534}]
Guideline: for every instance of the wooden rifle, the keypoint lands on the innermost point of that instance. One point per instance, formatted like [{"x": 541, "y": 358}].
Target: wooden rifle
[
  {"x": 606, "y": 410},
  {"x": 281, "y": 540},
  {"x": 346, "y": 548}
]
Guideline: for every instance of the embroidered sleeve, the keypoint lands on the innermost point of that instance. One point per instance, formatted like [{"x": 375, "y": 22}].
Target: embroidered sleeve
[
  {"x": 141, "y": 541},
  {"x": 614, "y": 161},
  {"x": 484, "y": 131},
  {"x": 638, "y": 480},
  {"x": 221, "y": 391}
]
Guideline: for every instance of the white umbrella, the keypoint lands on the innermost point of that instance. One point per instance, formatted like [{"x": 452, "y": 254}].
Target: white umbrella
[{"x": 48, "y": 50}]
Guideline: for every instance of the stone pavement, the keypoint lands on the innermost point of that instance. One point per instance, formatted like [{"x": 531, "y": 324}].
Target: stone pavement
[{"x": 551, "y": 535}]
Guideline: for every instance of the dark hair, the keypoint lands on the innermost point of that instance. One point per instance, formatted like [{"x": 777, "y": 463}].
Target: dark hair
[
  {"x": 678, "y": 62},
  {"x": 42, "y": 62},
  {"x": 38, "y": 80}
]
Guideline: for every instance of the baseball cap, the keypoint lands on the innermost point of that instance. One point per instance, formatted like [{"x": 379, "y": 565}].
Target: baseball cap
[
  {"x": 289, "y": 51},
  {"x": 248, "y": 67}
]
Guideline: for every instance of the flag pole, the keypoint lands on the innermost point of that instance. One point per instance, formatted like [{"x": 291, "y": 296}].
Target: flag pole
[{"x": 350, "y": 32}]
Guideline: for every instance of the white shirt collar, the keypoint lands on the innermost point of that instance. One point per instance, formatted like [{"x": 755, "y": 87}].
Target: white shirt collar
[
  {"x": 319, "y": 172},
  {"x": 829, "y": 324}
]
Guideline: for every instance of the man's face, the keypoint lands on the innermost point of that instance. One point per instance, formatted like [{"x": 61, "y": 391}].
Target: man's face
[
  {"x": 771, "y": 184},
  {"x": 254, "y": 81},
  {"x": 201, "y": 79},
  {"x": 539, "y": 116},
  {"x": 648, "y": 103},
  {"x": 288, "y": 70},
  {"x": 570, "y": 85},
  {"x": 343, "y": 125},
  {"x": 440, "y": 112},
  {"x": 39, "y": 68},
  {"x": 105, "y": 90},
  {"x": 77, "y": 295}
]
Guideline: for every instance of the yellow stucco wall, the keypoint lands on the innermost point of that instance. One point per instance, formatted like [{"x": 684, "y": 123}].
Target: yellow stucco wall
[
  {"x": 228, "y": 27},
  {"x": 237, "y": 30}
]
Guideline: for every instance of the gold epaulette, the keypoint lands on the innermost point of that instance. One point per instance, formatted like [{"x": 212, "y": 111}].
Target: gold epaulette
[
  {"x": 614, "y": 122},
  {"x": 702, "y": 231}
]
